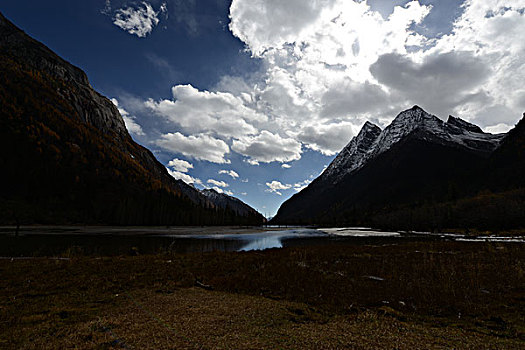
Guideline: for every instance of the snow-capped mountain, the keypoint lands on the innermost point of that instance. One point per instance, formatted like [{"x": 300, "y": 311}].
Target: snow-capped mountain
[
  {"x": 354, "y": 154},
  {"x": 371, "y": 141},
  {"x": 412, "y": 174}
]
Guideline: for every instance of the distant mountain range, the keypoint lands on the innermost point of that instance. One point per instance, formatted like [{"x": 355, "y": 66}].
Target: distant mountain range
[
  {"x": 66, "y": 156},
  {"x": 419, "y": 173}
]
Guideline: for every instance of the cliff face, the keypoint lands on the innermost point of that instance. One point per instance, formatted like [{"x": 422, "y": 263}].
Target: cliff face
[
  {"x": 90, "y": 106},
  {"x": 66, "y": 154}
]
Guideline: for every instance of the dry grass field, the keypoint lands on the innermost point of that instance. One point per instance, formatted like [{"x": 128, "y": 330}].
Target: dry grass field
[{"x": 406, "y": 296}]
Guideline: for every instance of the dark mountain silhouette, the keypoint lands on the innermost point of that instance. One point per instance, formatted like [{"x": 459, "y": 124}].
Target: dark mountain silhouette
[
  {"x": 222, "y": 200},
  {"x": 419, "y": 173},
  {"x": 66, "y": 156}
]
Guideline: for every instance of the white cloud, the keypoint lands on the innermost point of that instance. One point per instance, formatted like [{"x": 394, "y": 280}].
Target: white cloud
[
  {"x": 131, "y": 124},
  {"x": 195, "y": 111},
  {"x": 138, "y": 20},
  {"x": 180, "y": 165},
  {"x": 200, "y": 146},
  {"x": 267, "y": 147},
  {"x": 220, "y": 190},
  {"x": 301, "y": 185},
  {"x": 339, "y": 62},
  {"x": 107, "y": 8},
  {"x": 286, "y": 166},
  {"x": 498, "y": 128},
  {"x": 493, "y": 31},
  {"x": 231, "y": 173},
  {"x": 326, "y": 66},
  {"x": 184, "y": 177},
  {"x": 276, "y": 186},
  {"x": 440, "y": 82},
  {"x": 217, "y": 183},
  {"x": 327, "y": 139}
]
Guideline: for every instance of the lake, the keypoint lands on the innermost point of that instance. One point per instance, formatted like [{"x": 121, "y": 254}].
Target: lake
[{"x": 70, "y": 240}]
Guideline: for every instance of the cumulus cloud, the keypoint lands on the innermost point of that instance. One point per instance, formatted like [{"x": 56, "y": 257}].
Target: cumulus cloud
[
  {"x": 268, "y": 147},
  {"x": 347, "y": 97},
  {"x": 231, "y": 173},
  {"x": 440, "y": 82},
  {"x": 221, "y": 190},
  {"x": 493, "y": 31},
  {"x": 276, "y": 186},
  {"x": 130, "y": 121},
  {"x": 341, "y": 62},
  {"x": 180, "y": 165},
  {"x": 299, "y": 186},
  {"x": 178, "y": 168},
  {"x": 137, "y": 20},
  {"x": 286, "y": 166},
  {"x": 326, "y": 66},
  {"x": 195, "y": 111},
  {"x": 263, "y": 24},
  {"x": 184, "y": 177},
  {"x": 217, "y": 183},
  {"x": 326, "y": 139},
  {"x": 200, "y": 146}
]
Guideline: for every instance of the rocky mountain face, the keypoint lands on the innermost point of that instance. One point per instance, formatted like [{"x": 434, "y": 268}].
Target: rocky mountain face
[
  {"x": 372, "y": 141},
  {"x": 67, "y": 156},
  {"x": 353, "y": 155},
  {"x": 90, "y": 106},
  {"x": 417, "y": 161}
]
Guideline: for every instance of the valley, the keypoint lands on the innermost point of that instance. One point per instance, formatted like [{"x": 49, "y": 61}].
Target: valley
[{"x": 412, "y": 235}]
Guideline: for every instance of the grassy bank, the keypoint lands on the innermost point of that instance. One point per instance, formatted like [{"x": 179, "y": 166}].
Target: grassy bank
[{"x": 436, "y": 294}]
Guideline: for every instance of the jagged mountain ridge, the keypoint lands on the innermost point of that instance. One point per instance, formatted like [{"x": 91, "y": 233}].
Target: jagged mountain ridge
[
  {"x": 372, "y": 141},
  {"x": 419, "y": 167},
  {"x": 66, "y": 154},
  {"x": 352, "y": 156}
]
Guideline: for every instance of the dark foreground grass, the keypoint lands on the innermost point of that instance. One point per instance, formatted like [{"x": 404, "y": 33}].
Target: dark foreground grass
[{"x": 413, "y": 295}]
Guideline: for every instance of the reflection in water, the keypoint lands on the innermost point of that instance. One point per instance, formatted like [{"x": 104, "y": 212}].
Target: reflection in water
[
  {"x": 257, "y": 241},
  {"x": 42, "y": 244},
  {"x": 263, "y": 243},
  {"x": 121, "y": 244}
]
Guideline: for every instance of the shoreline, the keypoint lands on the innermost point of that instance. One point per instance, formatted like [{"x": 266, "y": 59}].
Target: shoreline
[{"x": 82, "y": 230}]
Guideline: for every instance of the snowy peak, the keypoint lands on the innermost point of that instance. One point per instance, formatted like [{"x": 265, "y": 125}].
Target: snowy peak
[
  {"x": 404, "y": 124},
  {"x": 456, "y": 132},
  {"x": 371, "y": 141},
  {"x": 350, "y": 157}
]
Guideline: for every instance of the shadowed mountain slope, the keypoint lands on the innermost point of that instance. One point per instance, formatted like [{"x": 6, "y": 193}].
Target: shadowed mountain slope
[
  {"x": 418, "y": 173},
  {"x": 66, "y": 156}
]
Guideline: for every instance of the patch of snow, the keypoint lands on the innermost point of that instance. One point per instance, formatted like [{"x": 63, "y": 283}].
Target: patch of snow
[
  {"x": 357, "y": 232},
  {"x": 371, "y": 141}
]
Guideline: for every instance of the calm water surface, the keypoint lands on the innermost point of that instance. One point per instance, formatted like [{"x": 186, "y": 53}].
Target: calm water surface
[{"x": 122, "y": 241}]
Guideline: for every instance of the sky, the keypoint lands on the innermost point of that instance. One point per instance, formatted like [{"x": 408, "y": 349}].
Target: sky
[{"x": 255, "y": 98}]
